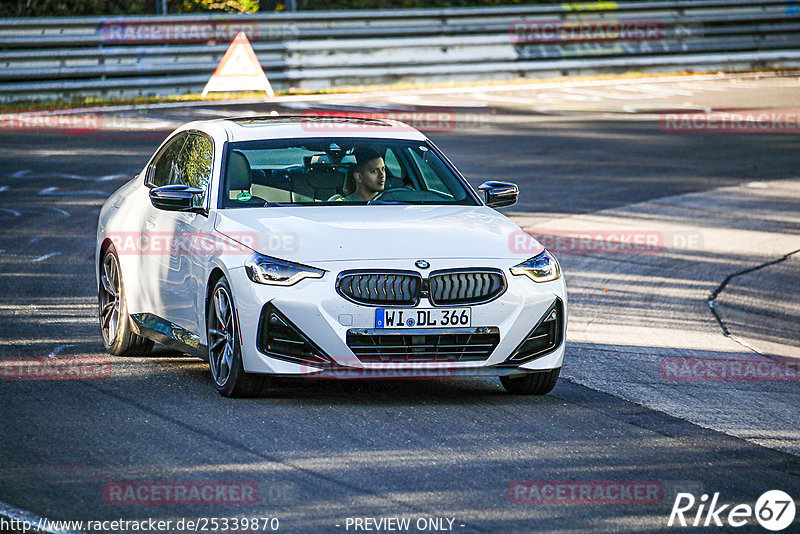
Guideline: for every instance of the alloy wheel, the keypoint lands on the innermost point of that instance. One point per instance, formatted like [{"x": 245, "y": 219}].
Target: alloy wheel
[
  {"x": 221, "y": 335},
  {"x": 110, "y": 299}
]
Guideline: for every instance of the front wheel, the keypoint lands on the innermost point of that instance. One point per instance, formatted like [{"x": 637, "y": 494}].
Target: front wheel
[
  {"x": 224, "y": 349},
  {"x": 537, "y": 383},
  {"x": 115, "y": 324}
]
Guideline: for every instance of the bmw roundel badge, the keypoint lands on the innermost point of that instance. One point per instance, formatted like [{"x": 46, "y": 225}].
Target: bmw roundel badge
[{"x": 422, "y": 264}]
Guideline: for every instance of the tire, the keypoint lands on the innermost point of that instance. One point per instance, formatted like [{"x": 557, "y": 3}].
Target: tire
[
  {"x": 115, "y": 323},
  {"x": 540, "y": 383},
  {"x": 224, "y": 348}
]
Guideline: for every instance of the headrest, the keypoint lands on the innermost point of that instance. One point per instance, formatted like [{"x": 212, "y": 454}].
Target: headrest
[{"x": 239, "y": 177}]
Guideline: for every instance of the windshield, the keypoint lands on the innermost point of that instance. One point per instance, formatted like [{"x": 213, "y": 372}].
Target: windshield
[{"x": 333, "y": 171}]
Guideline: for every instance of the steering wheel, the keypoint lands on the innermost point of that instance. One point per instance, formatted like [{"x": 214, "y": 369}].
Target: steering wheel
[{"x": 390, "y": 192}]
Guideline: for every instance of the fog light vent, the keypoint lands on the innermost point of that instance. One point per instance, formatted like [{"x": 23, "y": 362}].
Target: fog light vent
[
  {"x": 279, "y": 338},
  {"x": 546, "y": 336}
]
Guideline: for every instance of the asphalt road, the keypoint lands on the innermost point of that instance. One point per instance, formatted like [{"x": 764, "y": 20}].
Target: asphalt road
[{"x": 318, "y": 455}]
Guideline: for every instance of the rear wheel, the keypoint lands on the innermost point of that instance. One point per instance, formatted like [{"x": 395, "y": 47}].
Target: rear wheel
[
  {"x": 224, "y": 349},
  {"x": 540, "y": 383},
  {"x": 115, "y": 324}
]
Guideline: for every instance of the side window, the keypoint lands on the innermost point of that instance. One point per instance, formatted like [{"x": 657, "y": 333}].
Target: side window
[
  {"x": 162, "y": 170},
  {"x": 432, "y": 180},
  {"x": 393, "y": 164},
  {"x": 193, "y": 166}
]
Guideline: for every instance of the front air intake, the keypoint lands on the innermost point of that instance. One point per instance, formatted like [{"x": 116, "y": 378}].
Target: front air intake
[
  {"x": 405, "y": 346},
  {"x": 545, "y": 337},
  {"x": 279, "y": 338}
]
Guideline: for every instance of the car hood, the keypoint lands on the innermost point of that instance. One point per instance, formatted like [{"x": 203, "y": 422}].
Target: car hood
[{"x": 330, "y": 233}]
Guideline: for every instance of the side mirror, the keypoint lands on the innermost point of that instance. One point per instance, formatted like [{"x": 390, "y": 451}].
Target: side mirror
[
  {"x": 499, "y": 194},
  {"x": 175, "y": 197}
]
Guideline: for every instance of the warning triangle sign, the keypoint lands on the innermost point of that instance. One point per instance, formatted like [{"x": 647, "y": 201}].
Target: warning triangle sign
[{"x": 239, "y": 70}]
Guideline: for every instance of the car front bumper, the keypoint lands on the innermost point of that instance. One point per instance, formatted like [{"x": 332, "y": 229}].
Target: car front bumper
[{"x": 324, "y": 317}]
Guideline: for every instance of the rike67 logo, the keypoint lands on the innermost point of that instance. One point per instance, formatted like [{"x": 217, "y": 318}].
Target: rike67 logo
[{"x": 774, "y": 510}]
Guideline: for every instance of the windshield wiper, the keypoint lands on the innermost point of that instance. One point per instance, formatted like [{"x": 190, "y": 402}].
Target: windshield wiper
[{"x": 387, "y": 202}]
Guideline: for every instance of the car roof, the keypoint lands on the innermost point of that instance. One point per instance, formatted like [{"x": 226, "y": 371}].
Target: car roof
[{"x": 298, "y": 126}]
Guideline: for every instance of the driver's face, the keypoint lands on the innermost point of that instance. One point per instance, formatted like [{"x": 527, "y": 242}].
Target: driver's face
[{"x": 373, "y": 176}]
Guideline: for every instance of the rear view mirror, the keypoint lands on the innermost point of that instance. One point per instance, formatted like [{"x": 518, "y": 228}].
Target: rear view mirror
[{"x": 499, "y": 194}]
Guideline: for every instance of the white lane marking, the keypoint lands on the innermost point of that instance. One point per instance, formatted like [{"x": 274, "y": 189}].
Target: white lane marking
[
  {"x": 15, "y": 213},
  {"x": 551, "y": 97},
  {"x": 700, "y": 86},
  {"x": 110, "y": 177},
  {"x": 71, "y": 176},
  {"x": 3, "y": 188},
  {"x": 602, "y": 94},
  {"x": 645, "y": 109},
  {"x": 419, "y": 100},
  {"x": 24, "y": 516},
  {"x": 215, "y": 113},
  {"x": 62, "y": 212},
  {"x": 67, "y": 176},
  {"x": 522, "y": 100},
  {"x": 45, "y": 257},
  {"x": 106, "y": 178},
  {"x": 652, "y": 90},
  {"x": 58, "y": 350},
  {"x": 55, "y": 191}
]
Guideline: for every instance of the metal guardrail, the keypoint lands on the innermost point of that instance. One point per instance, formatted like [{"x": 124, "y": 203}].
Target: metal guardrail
[{"x": 127, "y": 56}]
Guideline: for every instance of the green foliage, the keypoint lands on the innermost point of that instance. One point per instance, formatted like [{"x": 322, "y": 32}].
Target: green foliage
[
  {"x": 61, "y": 8},
  {"x": 85, "y": 8},
  {"x": 409, "y": 4},
  {"x": 205, "y": 6},
  {"x": 66, "y": 8}
]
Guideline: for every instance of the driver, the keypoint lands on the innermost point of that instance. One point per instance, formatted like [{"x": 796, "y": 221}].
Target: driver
[{"x": 369, "y": 176}]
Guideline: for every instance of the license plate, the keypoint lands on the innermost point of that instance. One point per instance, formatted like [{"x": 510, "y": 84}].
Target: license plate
[{"x": 423, "y": 318}]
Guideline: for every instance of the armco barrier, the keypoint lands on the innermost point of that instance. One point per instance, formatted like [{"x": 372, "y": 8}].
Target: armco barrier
[{"x": 168, "y": 55}]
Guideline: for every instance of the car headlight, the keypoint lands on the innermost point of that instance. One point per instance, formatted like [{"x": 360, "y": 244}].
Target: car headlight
[
  {"x": 541, "y": 268},
  {"x": 265, "y": 270}
]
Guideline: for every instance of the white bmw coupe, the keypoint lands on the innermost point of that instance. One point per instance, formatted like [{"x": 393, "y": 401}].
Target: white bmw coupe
[{"x": 326, "y": 247}]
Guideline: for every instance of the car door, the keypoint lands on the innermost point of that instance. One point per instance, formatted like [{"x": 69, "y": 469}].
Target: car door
[
  {"x": 185, "y": 275},
  {"x": 176, "y": 239},
  {"x": 157, "y": 227}
]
